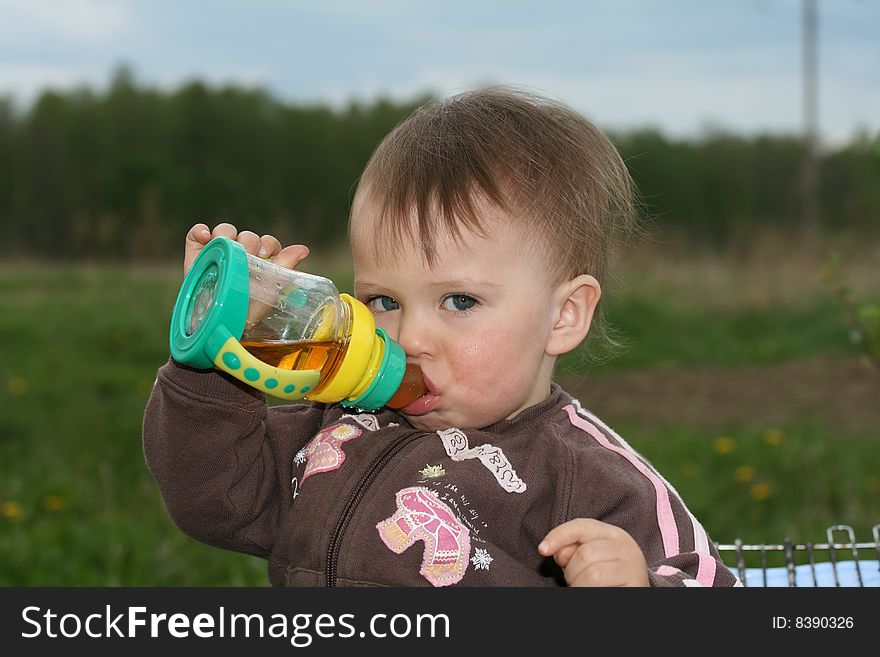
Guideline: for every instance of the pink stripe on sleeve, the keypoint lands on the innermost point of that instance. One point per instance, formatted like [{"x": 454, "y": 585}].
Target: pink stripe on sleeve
[
  {"x": 665, "y": 518},
  {"x": 666, "y": 571},
  {"x": 706, "y": 571}
]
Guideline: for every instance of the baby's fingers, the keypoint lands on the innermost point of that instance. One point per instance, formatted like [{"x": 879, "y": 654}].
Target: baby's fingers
[
  {"x": 596, "y": 574},
  {"x": 579, "y": 530},
  {"x": 196, "y": 239},
  {"x": 564, "y": 554},
  {"x": 291, "y": 256},
  {"x": 198, "y": 234},
  {"x": 225, "y": 230},
  {"x": 250, "y": 241},
  {"x": 269, "y": 246}
]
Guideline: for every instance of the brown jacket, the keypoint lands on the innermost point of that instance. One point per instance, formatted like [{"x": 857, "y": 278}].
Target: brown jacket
[{"x": 333, "y": 497}]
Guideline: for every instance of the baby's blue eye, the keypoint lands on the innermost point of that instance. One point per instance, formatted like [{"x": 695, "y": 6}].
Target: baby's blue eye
[
  {"x": 382, "y": 304},
  {"x": 459, "y": 302}
]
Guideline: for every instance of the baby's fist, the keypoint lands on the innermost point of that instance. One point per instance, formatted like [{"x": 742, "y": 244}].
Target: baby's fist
[{"x": 594, "y": 553}]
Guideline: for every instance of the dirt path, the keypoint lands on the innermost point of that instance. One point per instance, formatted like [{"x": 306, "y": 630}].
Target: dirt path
[{"x": 841, "y": 392}]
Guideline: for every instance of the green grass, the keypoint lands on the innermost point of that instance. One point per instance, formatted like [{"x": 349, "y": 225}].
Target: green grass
[
  {"x": 80, "y": 348},
  {"x": 762, "y": 484},
  {"x": 661, "y": 332},
  {"x": 79, "y": 507}
]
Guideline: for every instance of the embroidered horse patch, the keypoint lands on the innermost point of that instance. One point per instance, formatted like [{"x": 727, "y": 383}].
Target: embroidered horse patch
[
  {"x": 421, "y": 516},
  {"x": 324, "y": 451}
]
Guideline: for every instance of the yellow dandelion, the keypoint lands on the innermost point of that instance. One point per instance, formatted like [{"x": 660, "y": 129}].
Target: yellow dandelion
[
  {"x": 774, "y": 437},
  {"x": 17, "y": 386},
  {"x": 690, "y": 468},
  {"x": 760, "y": 492},
  {"x": 11, "y": 510},
  {"x": 54, "y": 503},
  {"x": 744, "y": 473},
  {"x": 724, "y": 445},
  {"x": 872, "y": 484}
]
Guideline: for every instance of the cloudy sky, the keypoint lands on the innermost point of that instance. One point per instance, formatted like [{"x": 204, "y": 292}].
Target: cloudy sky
[{"x": 684, "y": 66}]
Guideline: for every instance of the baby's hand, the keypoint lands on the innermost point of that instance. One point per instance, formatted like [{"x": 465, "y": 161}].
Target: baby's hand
[
  {"x": 594, "y": 553},
  {"x": 266, "y": 246}
]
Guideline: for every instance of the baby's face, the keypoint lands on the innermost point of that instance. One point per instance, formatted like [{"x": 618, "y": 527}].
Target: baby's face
[{"x": 476, "y": 323}]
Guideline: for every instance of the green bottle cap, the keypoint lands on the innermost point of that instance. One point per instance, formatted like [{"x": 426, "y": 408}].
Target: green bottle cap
[
  {"x": 214, "y": 293},
  {"x": 388, "y": 378}
]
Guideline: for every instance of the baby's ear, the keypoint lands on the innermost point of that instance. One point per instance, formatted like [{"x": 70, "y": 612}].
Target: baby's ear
[{"x": 577, "y": 303}]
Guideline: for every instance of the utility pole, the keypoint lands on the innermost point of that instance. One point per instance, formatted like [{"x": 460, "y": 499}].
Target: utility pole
[{"x": 811, "y": 119}]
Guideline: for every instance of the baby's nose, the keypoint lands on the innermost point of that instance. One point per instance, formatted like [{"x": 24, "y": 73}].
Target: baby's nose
[{"x": 415, "y": 337}]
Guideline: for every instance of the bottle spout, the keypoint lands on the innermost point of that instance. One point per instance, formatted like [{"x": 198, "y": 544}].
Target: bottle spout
[{"x": 411, "y": 388}]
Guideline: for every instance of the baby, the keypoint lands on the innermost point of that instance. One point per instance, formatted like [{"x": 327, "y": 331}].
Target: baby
[{"x": 480, "y": 232}]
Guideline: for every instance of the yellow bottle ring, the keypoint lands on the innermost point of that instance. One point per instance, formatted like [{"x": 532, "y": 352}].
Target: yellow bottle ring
[{"x": 354, "y": 371}]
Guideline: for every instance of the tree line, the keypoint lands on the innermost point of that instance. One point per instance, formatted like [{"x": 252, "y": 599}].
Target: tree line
[{"x": 121, "y": 174}]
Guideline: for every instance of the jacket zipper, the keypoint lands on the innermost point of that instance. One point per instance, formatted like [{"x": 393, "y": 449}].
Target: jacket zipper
[{"x": 360, "y": 490}]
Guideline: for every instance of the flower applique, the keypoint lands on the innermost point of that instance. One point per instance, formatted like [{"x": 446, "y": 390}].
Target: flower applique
[
  {"x": 324, "y": 451},
  {"x": 481, "y": 559},
  {"x": 432, "y": 471}
]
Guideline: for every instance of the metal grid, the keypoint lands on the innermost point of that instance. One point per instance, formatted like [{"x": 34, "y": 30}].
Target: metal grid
[{"x": 832, "y": 563}]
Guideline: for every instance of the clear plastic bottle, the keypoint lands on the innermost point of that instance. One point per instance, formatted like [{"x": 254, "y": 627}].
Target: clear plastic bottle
[{"x": 287, "y": 333}]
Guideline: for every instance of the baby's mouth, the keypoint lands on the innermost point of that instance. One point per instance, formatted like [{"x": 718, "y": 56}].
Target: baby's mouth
[
  {"x": 424, "y": 404},
  {"x": 421, "y": 406}
]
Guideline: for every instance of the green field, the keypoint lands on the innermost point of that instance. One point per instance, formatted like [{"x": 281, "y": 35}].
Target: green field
[{"x": 81, "y": 346}]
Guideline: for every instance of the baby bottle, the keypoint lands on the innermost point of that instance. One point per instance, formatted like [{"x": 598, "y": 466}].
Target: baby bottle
[{"x": 287, "y": 333}]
